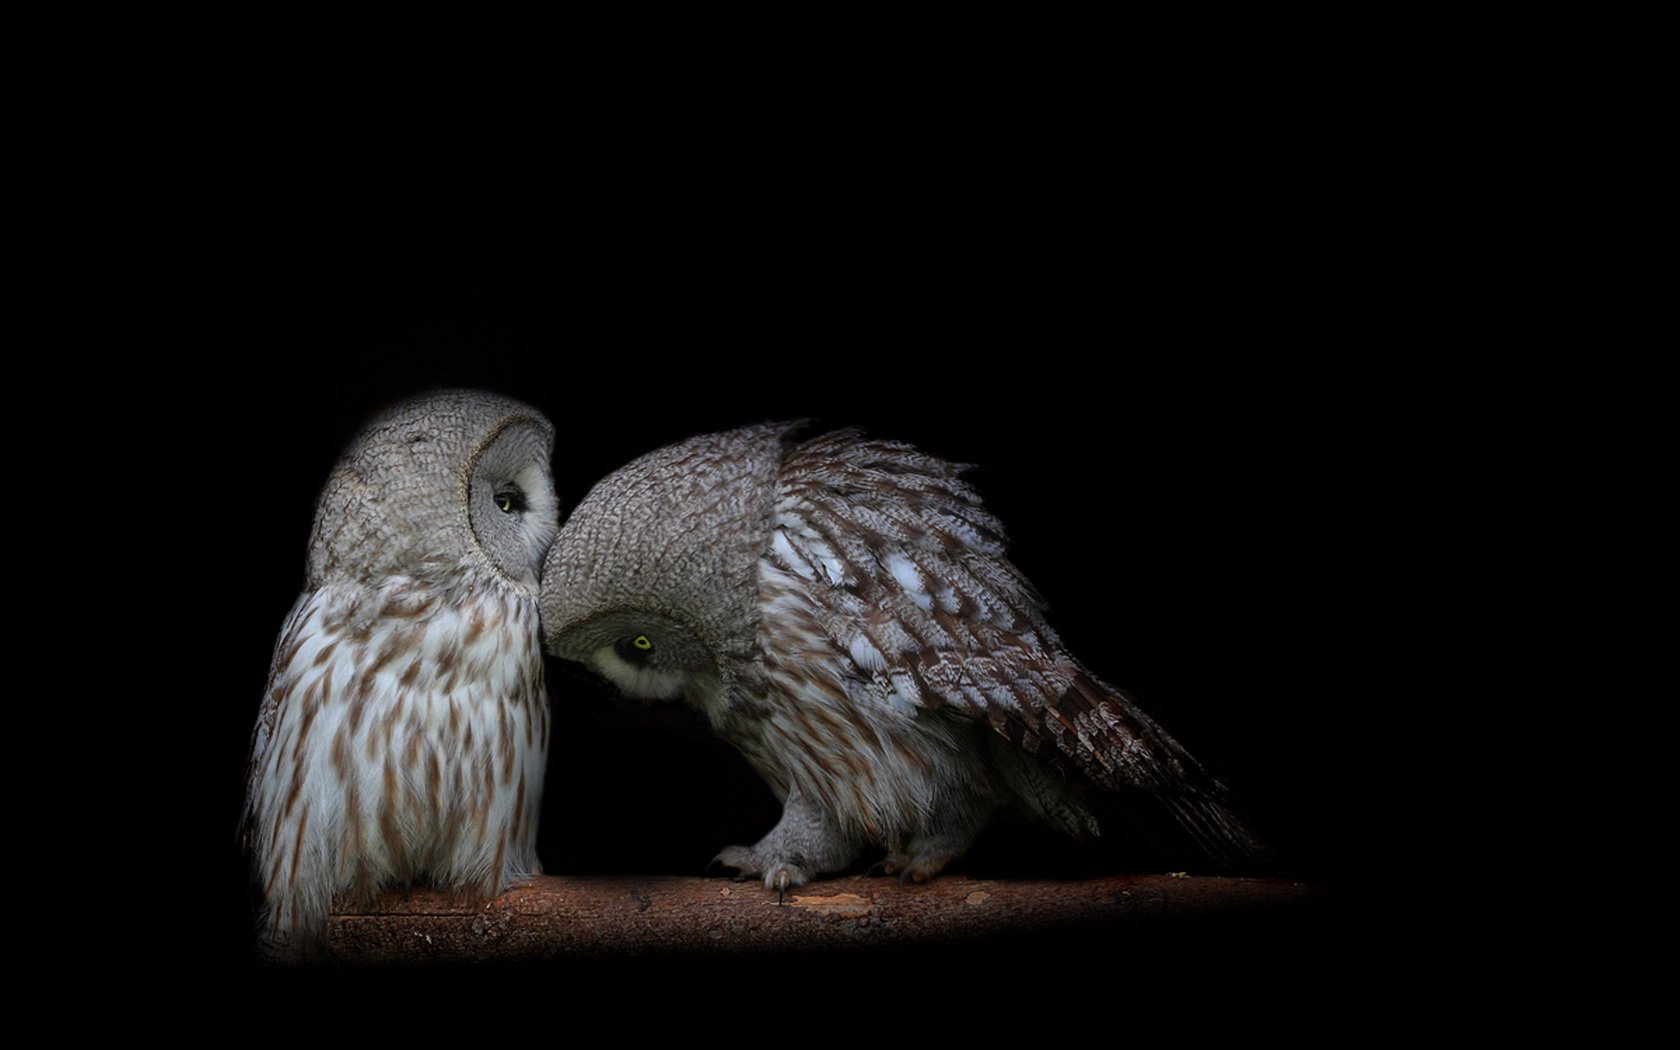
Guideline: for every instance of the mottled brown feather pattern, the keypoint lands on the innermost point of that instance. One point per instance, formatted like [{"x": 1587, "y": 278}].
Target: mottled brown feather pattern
[
  {"x": 896, "y": 548},
  {"x": 844, "y": 613},
  {"x": 924, "y": 580},
  {"x": 383, "y": 722}
]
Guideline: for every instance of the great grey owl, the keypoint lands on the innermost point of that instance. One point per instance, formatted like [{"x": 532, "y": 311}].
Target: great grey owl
[
  {"x": 404, "y": 731},
  {"x": 843, "y": 613}
]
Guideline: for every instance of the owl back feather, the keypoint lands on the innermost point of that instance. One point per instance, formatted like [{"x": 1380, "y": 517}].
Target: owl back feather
[{"x": 908, "y": 576}]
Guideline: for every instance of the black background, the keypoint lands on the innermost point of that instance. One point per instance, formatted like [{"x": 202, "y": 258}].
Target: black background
[{"x": 1173, "y": 351}]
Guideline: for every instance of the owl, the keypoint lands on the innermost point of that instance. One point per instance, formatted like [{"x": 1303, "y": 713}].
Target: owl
[
  {"x": 842, "y": 611},
  {"x": 404, "y": 731}
]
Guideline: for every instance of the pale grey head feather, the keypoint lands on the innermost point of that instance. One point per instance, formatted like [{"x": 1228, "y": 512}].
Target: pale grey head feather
[
  {"x": 415, "y": 494},
  {"x": 677, "y": 533}
]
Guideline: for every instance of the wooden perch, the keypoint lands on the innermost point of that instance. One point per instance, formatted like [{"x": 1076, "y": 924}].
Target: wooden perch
[{"x": 574, "y": 917}]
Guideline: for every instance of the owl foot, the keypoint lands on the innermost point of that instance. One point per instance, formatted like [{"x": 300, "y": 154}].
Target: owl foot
[
  {"x": 918, "y": 868},
  {"x": 779, "y": 874},
  {"x": 738, "y": 857}
]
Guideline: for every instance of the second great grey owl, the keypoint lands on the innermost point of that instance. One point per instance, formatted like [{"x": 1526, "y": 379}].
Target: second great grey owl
[
  {"x": 842, "y": 611},
  {"x": 404, "y": 731}
]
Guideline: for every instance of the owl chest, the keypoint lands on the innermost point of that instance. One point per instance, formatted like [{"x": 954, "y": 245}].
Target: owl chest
[
  {"x": 414, "y": 702},
  {"x": 875, "y": 770},
  {"x": 807, "y": 713},
  {"x": 800, "y": 727}
]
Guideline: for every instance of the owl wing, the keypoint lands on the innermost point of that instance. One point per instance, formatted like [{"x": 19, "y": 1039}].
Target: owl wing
[
  {"x": 910, "y": 579},
  {"x": 304, "y": 610}
]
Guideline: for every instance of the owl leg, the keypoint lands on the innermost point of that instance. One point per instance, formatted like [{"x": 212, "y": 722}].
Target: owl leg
[
  {"x": 926, "y": 856},
  {"x": 939, "y": 842},
  {"x": 804, "y": 844}
]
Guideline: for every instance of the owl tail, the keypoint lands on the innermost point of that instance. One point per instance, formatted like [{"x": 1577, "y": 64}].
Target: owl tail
[
  {"x": 1219, "y": 832},
  {"x": 1122, "y": 748}
]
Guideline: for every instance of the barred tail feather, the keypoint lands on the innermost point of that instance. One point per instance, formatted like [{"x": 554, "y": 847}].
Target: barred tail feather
[
  {"x": 1121, "y": 747},
  {"x": 1219, "y": 832}
]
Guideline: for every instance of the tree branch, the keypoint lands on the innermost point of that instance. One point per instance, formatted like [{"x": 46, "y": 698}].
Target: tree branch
[{"x": 618, "y": 916}]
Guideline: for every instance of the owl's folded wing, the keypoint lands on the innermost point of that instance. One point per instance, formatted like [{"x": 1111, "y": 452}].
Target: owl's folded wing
[{"x": 911, "y": 581}]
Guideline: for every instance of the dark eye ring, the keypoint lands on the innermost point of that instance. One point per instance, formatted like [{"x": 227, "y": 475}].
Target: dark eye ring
[{"x": 510, "y": 501}]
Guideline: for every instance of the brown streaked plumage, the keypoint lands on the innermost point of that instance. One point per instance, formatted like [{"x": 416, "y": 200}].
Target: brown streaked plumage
[
  {"x": 404, "y": 730},
  {"x": 843, "y": 611}
]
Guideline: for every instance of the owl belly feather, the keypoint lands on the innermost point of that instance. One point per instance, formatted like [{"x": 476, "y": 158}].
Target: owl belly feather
[
  {"x": 404, "y": 739},
  {"x": 808, "y": 717}
]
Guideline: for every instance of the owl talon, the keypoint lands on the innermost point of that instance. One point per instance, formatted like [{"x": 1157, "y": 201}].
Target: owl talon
[
  {"x": 780, "y": 876},
  {"x": 785, "y": 877},
  {"x": 740, "y": 858},
  {"x": 923, "y": 868}
]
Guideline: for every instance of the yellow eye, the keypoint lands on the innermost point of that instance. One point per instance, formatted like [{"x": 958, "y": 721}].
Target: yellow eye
[
  {"x": 642, "y": 643},
  {"x": 510, "y": 500}
]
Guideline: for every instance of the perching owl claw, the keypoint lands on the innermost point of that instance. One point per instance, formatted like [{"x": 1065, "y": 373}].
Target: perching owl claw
[
  {"x": 842, "y": 611},
  {"x": 404, "y": 731}
]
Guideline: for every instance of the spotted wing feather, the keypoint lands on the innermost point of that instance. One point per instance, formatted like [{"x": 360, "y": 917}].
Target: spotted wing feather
[{"x": 910, "y": 580}]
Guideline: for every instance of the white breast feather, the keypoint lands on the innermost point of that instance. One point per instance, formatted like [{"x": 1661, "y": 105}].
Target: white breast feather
[{"x": 418, "y": 748}]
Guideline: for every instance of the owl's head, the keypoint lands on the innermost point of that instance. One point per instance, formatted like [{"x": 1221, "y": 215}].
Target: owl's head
[
  {"x": 446, "y": 486},
  {"x": 652, "y": 582}
]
